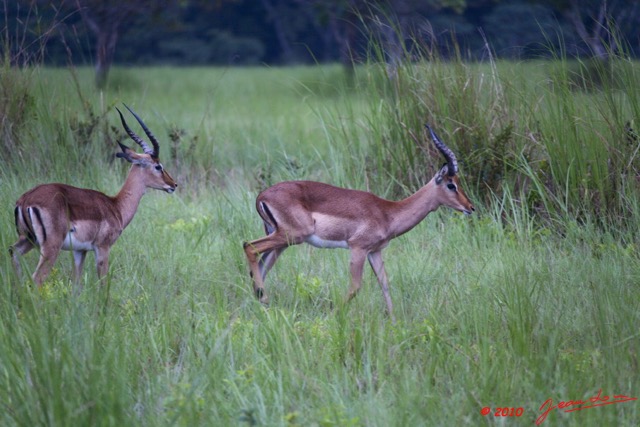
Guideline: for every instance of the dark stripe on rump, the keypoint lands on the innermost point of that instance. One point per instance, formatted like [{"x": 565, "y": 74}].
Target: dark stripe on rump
[
  {"x": 26, "y": 220},
  {"x": 16, "y": 211},
  {"x": 44, "y": 232},
  {"x": 270, "y": 223}
]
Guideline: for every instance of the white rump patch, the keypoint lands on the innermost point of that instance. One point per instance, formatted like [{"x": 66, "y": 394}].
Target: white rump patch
[{"x": 37, "y": 225}]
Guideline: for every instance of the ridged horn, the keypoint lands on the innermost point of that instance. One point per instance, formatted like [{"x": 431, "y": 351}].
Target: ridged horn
[
  {"x": 145, "y": 147},
  {"x": 452, "y": 163}
]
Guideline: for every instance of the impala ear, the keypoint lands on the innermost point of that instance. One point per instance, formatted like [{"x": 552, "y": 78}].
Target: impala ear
[
  {"x": 444, "y": 170},
  {"x": 130, "y": 155},
  {"x": 126, "y": 152}
]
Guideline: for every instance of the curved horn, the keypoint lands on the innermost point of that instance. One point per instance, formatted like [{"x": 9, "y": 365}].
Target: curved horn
[
  {"x": 135, "y": 137},
  {"x": 446, "y": 152},
  {"x": 152, "y": 138}
]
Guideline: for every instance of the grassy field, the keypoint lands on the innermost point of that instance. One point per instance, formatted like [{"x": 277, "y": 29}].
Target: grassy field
[{"x": 534, "y": 297}]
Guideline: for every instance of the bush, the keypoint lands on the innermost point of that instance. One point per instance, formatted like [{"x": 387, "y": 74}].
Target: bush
[
  {"x": 553, "y": 151},
  {"x": 16, "y": 105}
]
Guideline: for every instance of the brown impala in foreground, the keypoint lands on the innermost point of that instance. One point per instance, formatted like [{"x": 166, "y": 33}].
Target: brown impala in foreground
[
  {"x": 325, "y": 216},
  {"x": 58, "y": 216}
]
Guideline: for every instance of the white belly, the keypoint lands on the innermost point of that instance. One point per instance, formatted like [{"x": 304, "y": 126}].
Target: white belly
[
  {"x": 72, "y": 244},
  {"x": 318, "y": 242}
]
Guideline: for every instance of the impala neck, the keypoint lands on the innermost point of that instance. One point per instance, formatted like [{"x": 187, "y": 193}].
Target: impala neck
[
  {"x": 128, "y": 198},
  {"x": 407, "y": 213}
]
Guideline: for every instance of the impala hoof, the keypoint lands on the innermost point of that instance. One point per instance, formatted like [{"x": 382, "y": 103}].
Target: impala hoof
[{"x": 262, "y": 297}]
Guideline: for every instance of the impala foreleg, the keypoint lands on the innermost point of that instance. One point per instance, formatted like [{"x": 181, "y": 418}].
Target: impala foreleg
[
  {"x": 377, "y": 264},
  {"x": 356, "y": 265},
  {"x": 78, "y": 264},
  {"x": 102, "y": 262}
]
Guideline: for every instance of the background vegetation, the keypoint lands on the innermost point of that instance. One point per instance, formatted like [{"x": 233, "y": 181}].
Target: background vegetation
[
  {"x": 290, "y": 32},
  {"x": 533, "y": 297}
]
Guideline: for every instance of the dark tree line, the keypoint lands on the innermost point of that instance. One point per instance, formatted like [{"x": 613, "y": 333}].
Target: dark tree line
[{"x": 245, "y": 32}]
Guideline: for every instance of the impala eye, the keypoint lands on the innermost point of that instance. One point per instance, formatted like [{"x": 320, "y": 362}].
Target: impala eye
[
  {"x": 451, "y": 186},
  {"x": 158, "y": 167}
]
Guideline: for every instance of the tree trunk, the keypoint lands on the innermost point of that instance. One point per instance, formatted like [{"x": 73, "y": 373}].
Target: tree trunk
[
  {"x": 105, "y": 28},
  {"x": 594, "y": 39},
  {"x": 105, "y": 49},
  {"x": 279, "y": 27},
  {"x": 343, "y": 30}
]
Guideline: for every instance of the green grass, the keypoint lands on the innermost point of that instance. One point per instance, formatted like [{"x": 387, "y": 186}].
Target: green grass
[{"x": 499, "y": 309}]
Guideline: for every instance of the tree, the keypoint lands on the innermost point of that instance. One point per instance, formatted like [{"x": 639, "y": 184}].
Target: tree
[
  {"x": 104, "y": 19},
  {"x": 107, "y": 20},
  {"x": 597, "y": 21},
  {"x": 390, "y": 22},
  {"x": 536, "y": 28}
]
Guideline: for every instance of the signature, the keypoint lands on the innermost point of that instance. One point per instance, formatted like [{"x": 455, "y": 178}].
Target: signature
[{"x": 578, "y": 405}]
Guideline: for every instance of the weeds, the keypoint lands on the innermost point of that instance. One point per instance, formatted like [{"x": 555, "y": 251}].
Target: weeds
[
  {"x": 513, "y": 133},
  {"x": 17, "y": 104},
  {"x": 525, "y": 301}
]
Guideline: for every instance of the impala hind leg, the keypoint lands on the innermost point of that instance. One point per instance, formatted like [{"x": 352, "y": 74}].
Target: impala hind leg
[
  {"x": 262, "y": 255},
  {"x": 48, "y": 257},
  {"x": 19, "y": 248},
  {"x": 253, "y": 254},
  {"x": 267, "y": 260}
]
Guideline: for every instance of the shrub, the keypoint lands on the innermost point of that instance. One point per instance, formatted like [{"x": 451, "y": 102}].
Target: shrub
[{"x": 16, "y": 104}]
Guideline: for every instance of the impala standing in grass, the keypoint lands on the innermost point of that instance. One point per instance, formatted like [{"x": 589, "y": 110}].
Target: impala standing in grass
[
  {"x": 325, "y": 216},
  {"x": 58, "y": 217}
]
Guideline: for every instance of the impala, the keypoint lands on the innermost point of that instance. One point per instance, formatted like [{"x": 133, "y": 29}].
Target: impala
[
  {"x": 325, "y": 216},
  {"x": 58, "y": 217}
]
